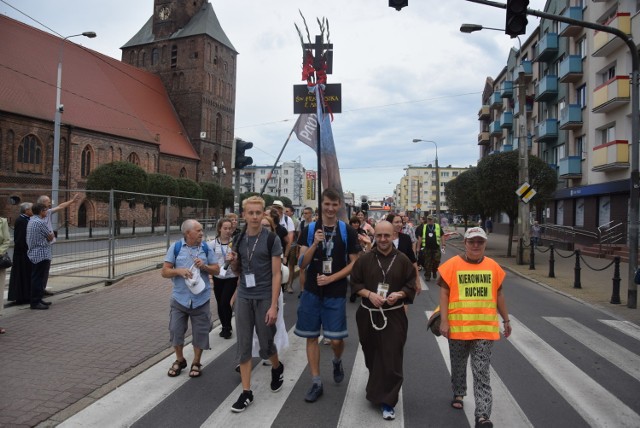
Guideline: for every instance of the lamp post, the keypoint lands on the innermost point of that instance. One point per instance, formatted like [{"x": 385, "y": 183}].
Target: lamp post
[
  {"x": 523, "y": 153},
  {"x": 417, "y": 140},
  {"x": 55, "y": 175}
]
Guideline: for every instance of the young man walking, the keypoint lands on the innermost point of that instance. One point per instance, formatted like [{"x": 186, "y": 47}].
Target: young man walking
[
  {"x": 256, "y": 259},
  {"x": 328, "y": 251}
]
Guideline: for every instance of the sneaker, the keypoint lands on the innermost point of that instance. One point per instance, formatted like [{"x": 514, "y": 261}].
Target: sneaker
[
  {"x": 314, "y": 393},
  {"x": 266, "y": 362},
  {"x": 277, "y": 378},
  {"x": 388, "y": 413},
  {"x": 338, "y": 371},
  {"x": 326, "y": 341},
  {"x": 243, "y": 402}
]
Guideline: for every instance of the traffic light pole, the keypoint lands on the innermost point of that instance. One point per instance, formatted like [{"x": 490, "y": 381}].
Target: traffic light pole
[{"x": 634, "y": 181}]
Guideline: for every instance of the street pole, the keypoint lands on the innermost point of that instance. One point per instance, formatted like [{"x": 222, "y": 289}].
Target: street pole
[
  {"x": 634, "y": 179},
  {"x": 55, "y": 174}
]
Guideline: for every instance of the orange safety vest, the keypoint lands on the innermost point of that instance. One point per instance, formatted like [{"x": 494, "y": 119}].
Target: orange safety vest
[{"x": 473, "y": 296}]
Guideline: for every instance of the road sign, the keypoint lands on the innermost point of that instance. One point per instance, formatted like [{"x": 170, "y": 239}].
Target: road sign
[
  {"x": 417, "y": 210},
  {"x": 526, "y": 192}
]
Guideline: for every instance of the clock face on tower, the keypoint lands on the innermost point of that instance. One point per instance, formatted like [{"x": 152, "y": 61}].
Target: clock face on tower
[{"x": 164, "y": 13}]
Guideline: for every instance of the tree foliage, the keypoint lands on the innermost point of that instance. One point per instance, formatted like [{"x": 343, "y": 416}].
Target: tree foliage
[
  {"x": 122, "y": 176},
  {"x": 212, "y": 193},
  {"x": 462, "y": 194},
  {"x": 227, "y": 198},
  {"x": 159, "y": 184}
]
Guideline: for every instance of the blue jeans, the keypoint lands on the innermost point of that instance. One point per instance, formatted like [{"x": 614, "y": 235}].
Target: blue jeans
[{"x": 39, "y": 279}]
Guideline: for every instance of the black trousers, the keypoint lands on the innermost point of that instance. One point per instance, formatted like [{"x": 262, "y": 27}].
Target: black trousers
[
  {"x": 223, "y": 289},
  {"x": 39, "y": 279}
]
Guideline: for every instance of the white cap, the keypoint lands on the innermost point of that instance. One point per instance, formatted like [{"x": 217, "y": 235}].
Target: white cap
[
  {"x": 278, "y": 203},
  {"x": 473, "y": 232}
]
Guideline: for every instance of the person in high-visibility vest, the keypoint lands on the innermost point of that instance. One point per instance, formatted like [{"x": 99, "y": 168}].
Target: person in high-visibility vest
[
  {"x": 470, "y": 299},
  {"x": 431, "y": 244}
]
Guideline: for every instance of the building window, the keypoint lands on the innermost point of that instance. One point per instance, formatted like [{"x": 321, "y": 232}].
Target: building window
[
  {"x": 579, "y": 147},
  {"x": 154, "y": 56},
  {"x": 579, "y": 212},
  {"x": 134, "y": 159},
  {"x": 174, "y": 56},
  {"x": 262, "y": 181},
  {"x": 183, "y": 173},
  {"x": 607, "y": 134},
  {"x": 85, "y": 161},
  {"x": 581, "y": 96},
  {"x": 143, "y": 59},
  {"x": 581, "y": 47},
  {"x": 30, "y": 155}
]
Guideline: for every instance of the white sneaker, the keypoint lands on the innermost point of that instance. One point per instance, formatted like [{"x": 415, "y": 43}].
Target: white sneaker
[{"x": 388, "y": 413}]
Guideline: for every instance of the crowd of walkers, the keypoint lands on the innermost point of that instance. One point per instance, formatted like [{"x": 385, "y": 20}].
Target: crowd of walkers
[{"x": 378, "y": 265}]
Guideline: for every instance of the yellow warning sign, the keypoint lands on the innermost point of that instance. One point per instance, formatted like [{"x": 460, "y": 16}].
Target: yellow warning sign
[{"x": 526, "y": 192}]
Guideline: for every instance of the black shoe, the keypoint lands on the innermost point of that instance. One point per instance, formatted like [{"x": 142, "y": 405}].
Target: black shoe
[
  {"x": 314, "y": 393},
  {"x": 39, "y": 306},
  {"x": 45, "y": 303},
  {"x": 226, "y": 333},
  {"x": 338, "y": 371},
  {"x": 47, "y": 293},
  {"x": 277, "y": 378},
  {"x": 243, "y": 402}
]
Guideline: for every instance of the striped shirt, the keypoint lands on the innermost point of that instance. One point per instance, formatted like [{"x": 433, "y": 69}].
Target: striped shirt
[{"x": 39, "y": 246}]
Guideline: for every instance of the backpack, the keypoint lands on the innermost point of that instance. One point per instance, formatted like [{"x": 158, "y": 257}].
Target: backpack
[
  {"x": 343, "y": 233},
  {"x": 178, "y": 247}
]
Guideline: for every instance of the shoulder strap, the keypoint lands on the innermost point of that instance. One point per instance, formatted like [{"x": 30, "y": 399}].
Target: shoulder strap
[
  {"x": 343, "y": 232},
  {"x": 176, "y": 248},
  {"x": 312, "y": 230},
  {"x": 205, "y": 248},
  {"x": 270, "y": 240}
]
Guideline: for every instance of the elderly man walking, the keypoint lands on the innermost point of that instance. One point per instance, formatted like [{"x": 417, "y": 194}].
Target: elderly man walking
[{"x": 188, "y": 264}]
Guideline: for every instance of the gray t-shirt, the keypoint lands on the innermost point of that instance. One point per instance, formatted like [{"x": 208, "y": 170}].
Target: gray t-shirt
[{"x": 260, "y": 264}]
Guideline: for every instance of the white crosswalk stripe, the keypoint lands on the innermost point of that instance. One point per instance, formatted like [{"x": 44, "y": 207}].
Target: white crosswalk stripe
[
  {"x": 626, "y": 327},
  {"x": 609, "y": 350},
  {"x": 506, "y": 410},
  {"x": 596, "y": 405}
]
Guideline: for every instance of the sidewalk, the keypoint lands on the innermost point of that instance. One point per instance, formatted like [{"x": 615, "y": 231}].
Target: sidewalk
[
  {"x": 596, "y": 288},
  {"x": 54, "y": 363}
]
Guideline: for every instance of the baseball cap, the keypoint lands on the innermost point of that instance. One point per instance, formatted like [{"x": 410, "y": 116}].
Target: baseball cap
[
  {"x": 278, "y": 204},
  {"x": 473, "y": 232}
]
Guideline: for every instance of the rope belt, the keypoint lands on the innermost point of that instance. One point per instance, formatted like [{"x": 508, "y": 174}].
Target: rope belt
[{"x": 382, "y": 311}]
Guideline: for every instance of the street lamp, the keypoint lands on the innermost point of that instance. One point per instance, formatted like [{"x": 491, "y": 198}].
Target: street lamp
[
  {"x": 55, "y": 176},
  {"x": 523, "y": 153},
  {"x": 417, "y": 140}
]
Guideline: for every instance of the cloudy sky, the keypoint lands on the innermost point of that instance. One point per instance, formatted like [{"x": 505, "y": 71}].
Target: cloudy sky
[{"x": 404, "y": 75}]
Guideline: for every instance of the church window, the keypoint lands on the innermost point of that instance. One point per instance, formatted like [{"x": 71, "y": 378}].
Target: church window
[
  {"x": 183, "y": 173},
  {"x": 154, "y": 56},
  {"x": 134, "y": 159},
  {"x": 30, "y": 155},
  {"x": 208, "y": 53},
  {"x": 132, "y": 57},
  {"x": 219, "y": 128},
  {"x": 215, "y": 60},
  {"x": 174, "y": 56},
  {"x": 85, "y": 161},
  {"x": 143, "y": 58}
]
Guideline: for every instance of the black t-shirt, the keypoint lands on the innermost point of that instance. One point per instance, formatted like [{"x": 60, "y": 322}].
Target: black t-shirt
[
  {"x": 431, "y": 239},
  {"x": 338, "y": 260}
]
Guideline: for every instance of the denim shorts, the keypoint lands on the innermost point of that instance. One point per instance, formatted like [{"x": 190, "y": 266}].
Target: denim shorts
[{"x": 316, "y": 313}]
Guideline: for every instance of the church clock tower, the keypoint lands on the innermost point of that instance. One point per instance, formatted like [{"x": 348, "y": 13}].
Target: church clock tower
[{"x": 185, "y": 45}]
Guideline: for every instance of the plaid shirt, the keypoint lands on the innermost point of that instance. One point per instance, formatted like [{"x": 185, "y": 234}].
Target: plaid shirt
[
  {"x": 39, "y": 247},
  {"x": 408, "y": 230}
]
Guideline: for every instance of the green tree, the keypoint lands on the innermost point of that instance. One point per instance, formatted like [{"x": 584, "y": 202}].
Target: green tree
[
  {"x": 123, "y": 176},
  {"x": 227, "y": 198},
  {"x": 212, "y": 193},
  {"x": 462, "y": 194},
  {"x": 187, "y": 190},
  {"x": 159, "y": 184},
  {"x": 286, "y": 201},
  {"x": 498, "y": 182}
]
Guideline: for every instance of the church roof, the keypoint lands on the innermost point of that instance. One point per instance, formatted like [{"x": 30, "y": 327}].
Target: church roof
[
  {"x": 203, "y": 22},
  {"x": 99, "y": 93}
]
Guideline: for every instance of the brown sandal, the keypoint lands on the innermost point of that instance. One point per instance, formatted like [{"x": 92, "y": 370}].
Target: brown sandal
[
  {"x": 176, "y": 368},
  {"x": 196, "y": 370}
]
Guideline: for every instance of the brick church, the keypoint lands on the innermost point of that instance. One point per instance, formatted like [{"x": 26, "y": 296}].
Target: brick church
[{"x": 168, "y": 106}]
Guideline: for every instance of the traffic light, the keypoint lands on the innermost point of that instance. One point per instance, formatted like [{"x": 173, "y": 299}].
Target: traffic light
[
  {"x": 241, "y": 160},
  {"x": 398, "y": 4},
  {"x": 516, "y": 17}
]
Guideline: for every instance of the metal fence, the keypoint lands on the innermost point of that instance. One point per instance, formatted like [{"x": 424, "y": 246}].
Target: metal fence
[{"x": 107, "y": 235}]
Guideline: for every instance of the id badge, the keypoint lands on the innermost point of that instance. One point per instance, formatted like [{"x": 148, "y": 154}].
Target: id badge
[
  {"x": 430, "y": 235},
  {"x": 326, "y": 266},
  {"x": 383, "y": 289},
  {"x": 250, "y": 280}
]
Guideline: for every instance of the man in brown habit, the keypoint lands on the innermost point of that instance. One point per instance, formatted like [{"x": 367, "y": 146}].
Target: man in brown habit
[{"x": 385, "y": 279}]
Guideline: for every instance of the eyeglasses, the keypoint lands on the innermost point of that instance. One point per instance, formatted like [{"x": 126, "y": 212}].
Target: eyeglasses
[{"x": 475, "y": 241}]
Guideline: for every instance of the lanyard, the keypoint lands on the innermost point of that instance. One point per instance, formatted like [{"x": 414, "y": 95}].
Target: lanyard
[
  {"x": 384, "y": 274},
  {"x": 191, "y": 254},
  {"x": 328, "y": 246},
  {"x": 250, "y": 255},
  {"x": 222, "y": 250}
]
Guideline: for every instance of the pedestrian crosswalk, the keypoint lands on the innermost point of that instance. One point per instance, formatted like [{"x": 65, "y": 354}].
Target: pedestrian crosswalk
[{"x": 536, "y": 351}]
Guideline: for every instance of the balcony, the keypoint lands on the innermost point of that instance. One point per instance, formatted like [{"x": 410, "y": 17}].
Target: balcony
[
  {"x": 484, "y": 138},
  {"x": 604, "y": 44},
  {"x": 506, "y": 89},
  {"x": 571, "y": 69},
  {"x": 611, "y": 156},
  {"x": 506, "y": 120},
  {"x": 547, "y": 130},
  {"x": 528, "y": 106},
  {"x": 484, "y": 113},
  {"x": 495, "y": 100},
  {"x": 570, "y": 167},
  {"x": 494, "y": 128},
  {"x": 547, "y": 88},
  {"x": 571, "y": 117},
  {"x": 547, "y": 48},
  {"x": 569, "y": 30},
  {"x": 506, "y": 148},
  {"x": 525, "y": 70},
  {"x": 611, "y": 94}
]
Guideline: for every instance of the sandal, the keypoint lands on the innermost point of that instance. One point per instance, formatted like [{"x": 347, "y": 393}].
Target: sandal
[
  {"x": 457, "y": 403},
  {"x": 483, "y": 422},
  {"x": 176, "y": 368},
  {"x": 196, "y": 370}
]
